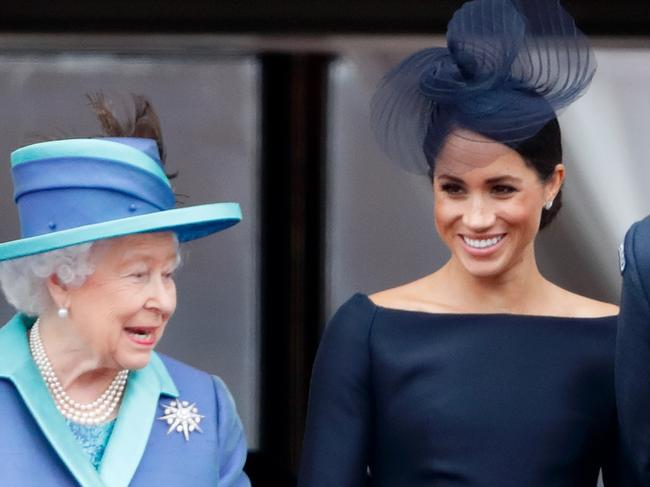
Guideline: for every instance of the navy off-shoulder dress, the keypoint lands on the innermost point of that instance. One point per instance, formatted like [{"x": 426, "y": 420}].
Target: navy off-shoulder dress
[{"x": 419, "y": 399}]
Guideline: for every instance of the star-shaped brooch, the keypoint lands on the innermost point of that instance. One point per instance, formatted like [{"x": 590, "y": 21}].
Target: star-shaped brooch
[{"x": 182, "y": 417}]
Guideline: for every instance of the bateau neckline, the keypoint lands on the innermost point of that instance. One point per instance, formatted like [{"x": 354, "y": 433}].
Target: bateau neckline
[{"x": 476, "y": 315}]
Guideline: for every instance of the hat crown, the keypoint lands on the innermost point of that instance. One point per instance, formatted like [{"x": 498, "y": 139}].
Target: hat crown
[{"x": 64, "y": 184}]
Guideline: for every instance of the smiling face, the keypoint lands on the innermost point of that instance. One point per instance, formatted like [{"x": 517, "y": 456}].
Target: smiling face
[
  {"x": 488, "y": 215},
  {"x": 121, "y": 311}
]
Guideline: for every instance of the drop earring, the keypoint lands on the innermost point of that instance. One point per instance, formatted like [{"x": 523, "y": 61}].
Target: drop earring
[
  {"x": 63, "y": 313},
  {"x": 548, "y": 205}
]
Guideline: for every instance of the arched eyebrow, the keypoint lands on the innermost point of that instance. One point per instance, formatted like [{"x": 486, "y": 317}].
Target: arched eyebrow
[
  {"x": 137, "y": 255},
  {"x": 496, "y": 180},
  {"x": 504, "y": 179},
  {"x": 454, "y": 179}
]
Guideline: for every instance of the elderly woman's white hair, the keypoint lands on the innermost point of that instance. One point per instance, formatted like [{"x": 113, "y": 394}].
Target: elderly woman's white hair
[{"x": 23, "y": 280}]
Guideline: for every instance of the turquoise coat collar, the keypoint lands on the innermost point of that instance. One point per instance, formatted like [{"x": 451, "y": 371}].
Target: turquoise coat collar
[{"x": 135, "y": 419}]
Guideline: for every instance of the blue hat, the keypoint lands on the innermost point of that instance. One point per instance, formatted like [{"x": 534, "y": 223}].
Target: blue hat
[
  {"x": 508, "y": 68},
  {"x": 80, "y": 190}
]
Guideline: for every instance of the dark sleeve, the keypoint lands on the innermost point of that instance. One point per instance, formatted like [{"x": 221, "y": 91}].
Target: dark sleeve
[
  {"x": 616, "y": 465},
  {"x": 633, "y": 350},
  {"x": 335, "y": 450}
]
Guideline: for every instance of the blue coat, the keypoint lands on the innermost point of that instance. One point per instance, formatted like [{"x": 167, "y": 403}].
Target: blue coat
[
  {"x": 633, "y": 348},
  {"x": 37, "y": 448}
]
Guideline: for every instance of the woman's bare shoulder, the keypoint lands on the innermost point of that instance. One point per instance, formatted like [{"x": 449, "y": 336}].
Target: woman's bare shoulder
[
  {"x": 419, "y": 295},
  {"x": 395, "y": 297},
  {"x": 584, "y": 307}
]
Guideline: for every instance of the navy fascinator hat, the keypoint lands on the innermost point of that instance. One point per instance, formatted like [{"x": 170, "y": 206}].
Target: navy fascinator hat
[{"x": 508, "y": 67}]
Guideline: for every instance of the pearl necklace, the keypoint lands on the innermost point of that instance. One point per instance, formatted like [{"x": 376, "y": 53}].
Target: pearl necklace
[{"x": 92, "y": 413}]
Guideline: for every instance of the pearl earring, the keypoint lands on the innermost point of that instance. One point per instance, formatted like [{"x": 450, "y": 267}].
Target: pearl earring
[
  {"x": 63, "y": 313},
  {"x": 548, "y": 205}
]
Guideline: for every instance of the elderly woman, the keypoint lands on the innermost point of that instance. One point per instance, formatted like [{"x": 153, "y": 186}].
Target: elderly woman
[
  {"x": 84, "y": 397},
  {"x": 482, "y": 372}
]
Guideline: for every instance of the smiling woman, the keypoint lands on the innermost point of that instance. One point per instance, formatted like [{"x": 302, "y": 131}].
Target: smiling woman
[
  {"x": 488, "y": 216},
  {"x": 483, "y": 372},
  {"x": 92, "y": 279}
]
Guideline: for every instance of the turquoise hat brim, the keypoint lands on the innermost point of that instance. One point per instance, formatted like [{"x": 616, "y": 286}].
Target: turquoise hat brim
[{"x": 188, "y": 223}]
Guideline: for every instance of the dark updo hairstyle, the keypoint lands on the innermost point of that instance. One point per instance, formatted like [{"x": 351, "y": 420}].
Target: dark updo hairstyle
[{"x": 542, "y": 152}]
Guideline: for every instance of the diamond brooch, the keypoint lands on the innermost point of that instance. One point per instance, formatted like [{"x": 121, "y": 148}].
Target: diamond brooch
[{"x": 182, "y": 417}]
